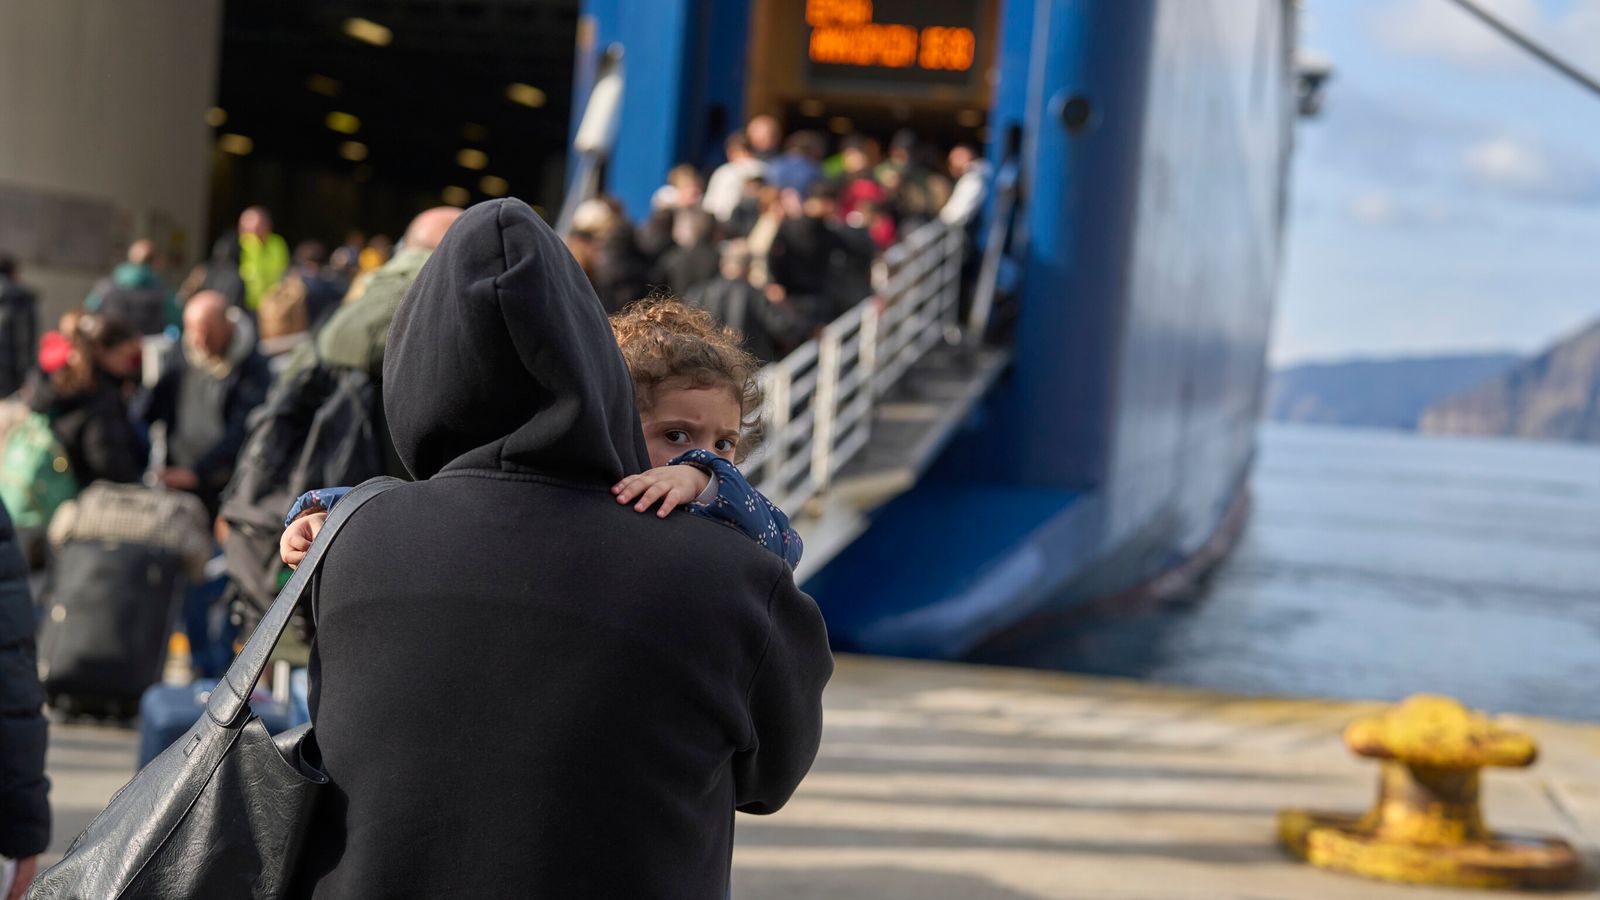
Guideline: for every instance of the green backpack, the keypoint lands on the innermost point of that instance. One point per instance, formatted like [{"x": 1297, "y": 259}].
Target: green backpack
[{"x": 35, "y": 476}]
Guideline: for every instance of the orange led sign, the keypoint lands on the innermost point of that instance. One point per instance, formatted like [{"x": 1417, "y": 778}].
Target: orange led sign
[{"x": 908, "y": 36}]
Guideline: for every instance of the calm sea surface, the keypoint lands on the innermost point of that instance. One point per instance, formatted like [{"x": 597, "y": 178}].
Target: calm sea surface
[{"x": 1378, "y": 564}]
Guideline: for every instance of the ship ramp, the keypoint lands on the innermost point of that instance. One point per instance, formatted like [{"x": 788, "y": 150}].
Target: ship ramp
[{"x": 855, "y": 416}]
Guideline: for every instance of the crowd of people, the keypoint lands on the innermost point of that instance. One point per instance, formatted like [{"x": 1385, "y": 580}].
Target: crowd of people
[
  {"x": 154, "y": 379},
  {"x": 778, "y": 240}
]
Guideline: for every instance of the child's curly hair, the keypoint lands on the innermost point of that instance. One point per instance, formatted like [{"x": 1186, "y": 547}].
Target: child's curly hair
[{"x": 664, "y": 340}]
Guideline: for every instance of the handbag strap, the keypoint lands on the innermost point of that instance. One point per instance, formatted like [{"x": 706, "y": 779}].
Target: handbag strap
[{"x": 225, "y": 705}]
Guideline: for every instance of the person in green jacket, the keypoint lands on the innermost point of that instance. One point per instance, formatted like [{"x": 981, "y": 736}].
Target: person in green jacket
[
  {"x": 263, "y": 256},
  {"x": 355, "y": 334}
]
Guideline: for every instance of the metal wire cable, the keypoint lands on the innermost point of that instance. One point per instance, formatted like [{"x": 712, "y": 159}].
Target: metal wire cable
[{"x": 1528, "y": 44}]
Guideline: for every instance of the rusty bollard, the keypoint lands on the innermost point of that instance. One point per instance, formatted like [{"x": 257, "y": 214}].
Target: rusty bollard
[{"x": 1426, "y": 827}]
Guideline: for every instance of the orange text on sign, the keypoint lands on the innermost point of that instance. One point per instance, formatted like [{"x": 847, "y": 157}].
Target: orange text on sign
[
  {"x": 894, "y": 46},
  {"x": 838, "y": 12},
  {"x": 952, "y": 49}
]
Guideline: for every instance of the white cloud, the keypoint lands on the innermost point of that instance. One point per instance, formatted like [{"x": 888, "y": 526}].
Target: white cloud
[
  {"x": 1372, "y": 208},
  {"x": 1509, "y": 164},
  {"x": 1440, "y": 29},
  {"x": 1409, "y": 209},
  {"x": 1522, "y": 167}
]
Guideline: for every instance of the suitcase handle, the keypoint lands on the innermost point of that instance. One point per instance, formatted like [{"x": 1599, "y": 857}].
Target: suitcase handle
[{"x": 225, "y": 706}]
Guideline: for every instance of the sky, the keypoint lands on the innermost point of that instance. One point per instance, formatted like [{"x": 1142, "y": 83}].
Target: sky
[{"x": 1448, "y": 198}]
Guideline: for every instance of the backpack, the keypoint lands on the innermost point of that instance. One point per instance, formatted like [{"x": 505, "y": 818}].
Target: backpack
[
  {"x": 320, "y": 427},
  {"x": 35, "y": 475},
  {"x": 144, "y": 308}
]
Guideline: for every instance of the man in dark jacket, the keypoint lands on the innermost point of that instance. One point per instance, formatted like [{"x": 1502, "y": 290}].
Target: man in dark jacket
[
  {"x": 769, "y": 326},
  {"x": 24, "y": 808},
  {"x": 521, "y": 688},
  {"x": 19, "y": 328},
  {"x": 206, "y": 395}
]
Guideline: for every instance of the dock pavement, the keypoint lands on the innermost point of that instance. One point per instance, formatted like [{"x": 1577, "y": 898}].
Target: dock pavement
[{"x": 941, "y": 781}]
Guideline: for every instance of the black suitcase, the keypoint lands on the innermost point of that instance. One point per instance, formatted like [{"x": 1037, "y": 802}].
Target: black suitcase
[{"x": 107, "y": 615}]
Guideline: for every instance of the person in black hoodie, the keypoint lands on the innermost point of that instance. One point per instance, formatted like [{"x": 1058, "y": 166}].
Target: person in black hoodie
[{"x": 519, "y": 686}]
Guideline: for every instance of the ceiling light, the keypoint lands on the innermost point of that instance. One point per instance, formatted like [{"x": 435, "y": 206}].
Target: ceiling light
[
  {"x": 355, "y": 151},
  {"x": 469, "y": 158},
  {"x": 368, "y": 32},
  {"x": 494, "y": 186},
  {"x": 455, "y": 195},
  {"x": 342, "y": 122},
  {"x": 525, "y": 95},
  {"x": 237, "y": 144},
  {"x": 216, "y": 117},
  {"x": 322, "y": 84}
]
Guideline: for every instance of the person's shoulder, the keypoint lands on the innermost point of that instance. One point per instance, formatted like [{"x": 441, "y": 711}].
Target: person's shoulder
[{"x": 698, "y": 542}]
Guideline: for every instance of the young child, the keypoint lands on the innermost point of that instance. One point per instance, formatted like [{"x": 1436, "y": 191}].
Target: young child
[{"x": 698, "y": 398}]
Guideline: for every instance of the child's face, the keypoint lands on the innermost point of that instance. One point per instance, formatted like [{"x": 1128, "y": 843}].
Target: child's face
[{"x": 685, "y": 418}]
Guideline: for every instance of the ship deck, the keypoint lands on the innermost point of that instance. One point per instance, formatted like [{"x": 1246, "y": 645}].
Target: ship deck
[{"x": 941, "y": 781}]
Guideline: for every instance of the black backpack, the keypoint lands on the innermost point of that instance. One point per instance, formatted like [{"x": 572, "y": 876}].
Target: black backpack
[
  {"x": 143, "y": 308},
  {"x": 320, "y": 427}
]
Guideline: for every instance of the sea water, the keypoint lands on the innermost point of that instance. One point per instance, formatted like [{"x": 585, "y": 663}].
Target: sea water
[{"x": 1378, "y": 564}]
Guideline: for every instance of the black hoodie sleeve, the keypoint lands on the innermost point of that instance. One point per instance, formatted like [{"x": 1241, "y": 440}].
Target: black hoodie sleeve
[{"x": 784, "y": 701}]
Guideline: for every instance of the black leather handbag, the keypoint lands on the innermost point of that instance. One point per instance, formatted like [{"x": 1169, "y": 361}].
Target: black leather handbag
[{"x": 222, "y": 813}]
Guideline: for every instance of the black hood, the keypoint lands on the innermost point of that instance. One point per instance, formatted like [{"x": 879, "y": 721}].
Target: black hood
[{"x": 500, "y": 357}]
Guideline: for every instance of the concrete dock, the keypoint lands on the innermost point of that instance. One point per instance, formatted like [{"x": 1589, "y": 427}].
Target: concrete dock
[{"x": 949, "y": 781}]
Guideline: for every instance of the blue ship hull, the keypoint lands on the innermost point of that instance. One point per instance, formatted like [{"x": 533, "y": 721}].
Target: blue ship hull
[
  {"x": 1155, "y": 139},
  {"x": 1120, "y": 446}
]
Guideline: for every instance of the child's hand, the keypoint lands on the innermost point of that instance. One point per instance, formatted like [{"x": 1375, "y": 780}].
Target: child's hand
[
  {"x": 298, "y": 536},
  {"x": 672, "y": 485}
]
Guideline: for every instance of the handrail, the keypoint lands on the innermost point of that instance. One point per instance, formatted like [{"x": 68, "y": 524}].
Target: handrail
[
  {"x": 821, "y": 397},
  {"x": 1007, "y": 183}
]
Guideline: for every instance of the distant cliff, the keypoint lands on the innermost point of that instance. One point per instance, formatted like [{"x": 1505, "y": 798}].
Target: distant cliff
[
  {"x": 1554, "y": 395},
  {"x": 1376, "y": 393}
]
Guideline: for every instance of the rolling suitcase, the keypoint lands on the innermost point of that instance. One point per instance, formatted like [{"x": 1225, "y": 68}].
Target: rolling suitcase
[
  {"x": 123, "y": 555},
  {"x": 104, "y": 635}
]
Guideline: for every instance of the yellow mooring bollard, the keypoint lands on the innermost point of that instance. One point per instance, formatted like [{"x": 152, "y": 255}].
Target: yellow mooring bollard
[{"x": 1426, "y": 827}]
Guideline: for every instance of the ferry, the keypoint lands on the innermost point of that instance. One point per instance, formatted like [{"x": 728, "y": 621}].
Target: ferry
[{"x": 971, "y": 456}]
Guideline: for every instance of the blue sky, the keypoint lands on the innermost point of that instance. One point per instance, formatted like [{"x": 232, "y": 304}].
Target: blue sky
[{"x": 1448, "y": 199}]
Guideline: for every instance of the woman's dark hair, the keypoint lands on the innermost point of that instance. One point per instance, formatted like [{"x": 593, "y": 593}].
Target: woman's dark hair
[{"x": 92, "y": 335}]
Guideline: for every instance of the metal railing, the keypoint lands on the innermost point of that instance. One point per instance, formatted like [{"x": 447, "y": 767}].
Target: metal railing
[{"x": 821, "y": 398}]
